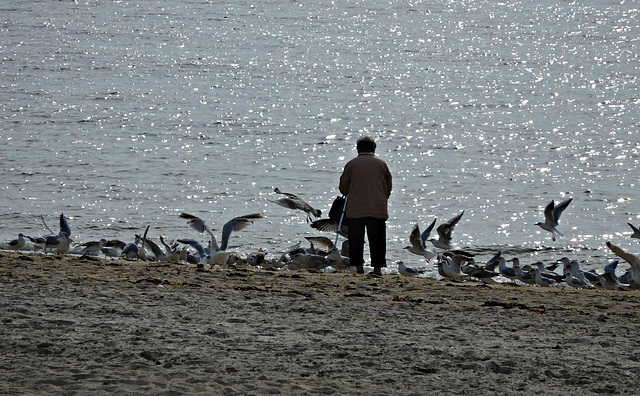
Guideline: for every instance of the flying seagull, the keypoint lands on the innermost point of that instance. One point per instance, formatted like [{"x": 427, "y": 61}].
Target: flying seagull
[
  {"x": 418, "y": 242},
  {"x": 552, "y": 213},
  {"x": 445, "y": 231},
  {"x": 236, "y": 224},
  {"x": 293, "y": 201}
]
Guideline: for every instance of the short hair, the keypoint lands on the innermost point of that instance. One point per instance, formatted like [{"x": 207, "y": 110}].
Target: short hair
[{"x": 366, "y": 144}]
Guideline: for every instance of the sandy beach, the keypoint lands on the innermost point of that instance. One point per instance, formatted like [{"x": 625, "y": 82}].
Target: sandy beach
[{"x": 73, "y": 326}]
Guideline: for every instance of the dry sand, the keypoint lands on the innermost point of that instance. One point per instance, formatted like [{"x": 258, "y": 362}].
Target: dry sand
[{"x": 74, "y": 326}]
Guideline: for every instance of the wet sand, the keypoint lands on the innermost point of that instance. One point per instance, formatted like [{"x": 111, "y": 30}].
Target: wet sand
[{"x": 74, "y": 326}]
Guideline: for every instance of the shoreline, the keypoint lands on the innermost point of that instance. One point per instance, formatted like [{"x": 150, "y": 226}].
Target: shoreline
[{"x": 76, "y": 325}]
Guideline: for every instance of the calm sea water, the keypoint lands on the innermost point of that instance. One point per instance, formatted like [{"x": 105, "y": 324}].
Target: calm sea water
[{"x": 122, "y": 114}]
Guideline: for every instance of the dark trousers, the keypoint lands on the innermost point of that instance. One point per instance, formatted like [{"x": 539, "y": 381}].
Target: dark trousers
[{"x": 377, "y": 236}]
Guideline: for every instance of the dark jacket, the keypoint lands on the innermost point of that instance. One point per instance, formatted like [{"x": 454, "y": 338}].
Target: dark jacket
[{"x": 366, "y": 180}]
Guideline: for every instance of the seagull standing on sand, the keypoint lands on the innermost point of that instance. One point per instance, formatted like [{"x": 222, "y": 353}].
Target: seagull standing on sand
[
  {"x": 64, "y": 245},
  {"x": 523, "y": 276},
  {"x": 130, "y": 251},
  {"x": 293, "y": 201},
  {"x": 92, "y": 247},
  {"x": 451, "y": 265},
  {"x": 445, "y": 231},
  {"x": 541, "y": 280},
  {"x": 408, "y": 271},
  {"x": 552, "y": 213},
  {"x": 60, "y": 242},
  {"x": 52, "y": 242},
  {"x": 505, "y": 271},
  {"x": 16, "y": 244},
  {"x": 418, "y": 242},
  {"x": 611, "y": 282}
]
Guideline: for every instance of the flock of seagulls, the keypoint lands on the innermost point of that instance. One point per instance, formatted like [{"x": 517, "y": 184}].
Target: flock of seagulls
[{"x": 322, "y": 255}]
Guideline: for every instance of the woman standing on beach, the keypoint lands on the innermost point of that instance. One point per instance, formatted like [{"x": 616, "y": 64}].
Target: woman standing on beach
[{"x": 366, "y": 180}]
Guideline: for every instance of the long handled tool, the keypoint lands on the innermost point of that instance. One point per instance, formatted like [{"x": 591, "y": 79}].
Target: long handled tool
[{"x": 344, "y": 209}]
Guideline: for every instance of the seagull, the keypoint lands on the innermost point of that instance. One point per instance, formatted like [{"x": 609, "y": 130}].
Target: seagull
[
  {"x": 142, "y": 251},
  {"x": 338, "y": 259},
  {"x": 451, "y": 266},
  {"x": 159, "y": 254},
  {"x": 541, "y": 280},
  {"x": 52, "y": 242},
  {"x": 609, "y": 281},
  {"x": 444, "y": 233},
  {"x": 552, "y": 213},
  {"x": 236, "y": 224},
  {"x": 584, "y": 277},
  {"x": 130, "y": 251},
  {"x": 217, "y": 255},
  {"x": 65, "y": 244},
  {"x": 173, "y": 254},
  {"x": 293, "y": 201},
  {"x": 611, "y": 268},
  {"x": 418, "y": 242},
  {"x": 546, "y": 273},
  {"x": 198, "y": 246},
  {"x": 60, "y": 242},
  {"x": 113, "y": 248},
  {"x": 484, "y": 273},
  {"x": 633, "y": 260},
  {"x": 505, "y": 271},
  {"x": 408, "y": 271},
  {"x": 636, "y": 231},
  {"x": 256, "y": 258},
  {"x": 323, "y": 246},
  {"x": 92, "y": 247},
  {"x": 572, "y": 281},
  {"x": 16, "y": 244},
  {"x": 308, "y": 261},
  {"x": 522, "y": 275},
  {"x": 320, "y": 245},
  {"x": 109, "y": 251}
]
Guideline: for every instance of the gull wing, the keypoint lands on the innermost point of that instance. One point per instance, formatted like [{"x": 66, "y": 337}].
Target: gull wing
[
  {"x": 446, "y": 229},
  {"x": 636, "y": 231},
  {"x": 195, "y": 222},
  {"x": 633, "y": 260},
  {"x": 237, "y": 224},
  {"x": 493, "y": 262},
  {"x": 611, "y": 267},
  {"x": 195, "y": 244},
  {"x": 445, "y": 232},
  {"x": 290, "y": 195},
  {"x": 290, "y": 203},
  {"x": 558, "y": 209},
  {"x": 455, "y": 220},
  {"x": 64, "y": 225},
  {"x": 320, "y": 242},
  {"x": 330, "y": 225},
  {"x": 427, "y": 233},
  {"x": 548, "y": 214},
  {"x": 415, "y": 238}
]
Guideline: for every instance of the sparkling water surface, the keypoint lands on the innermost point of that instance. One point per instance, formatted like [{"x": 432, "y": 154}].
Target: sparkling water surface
[{"x": 123, "y": 114}]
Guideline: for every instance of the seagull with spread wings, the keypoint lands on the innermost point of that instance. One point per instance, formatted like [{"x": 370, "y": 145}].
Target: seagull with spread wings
[
  {"x": 552, "y": 213},
  {"x": 445, "y": 231},
  {"x": 419, "y": 242},
  {"x": 292, "y": 201},
  {"x": 236, "y": 224}
]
